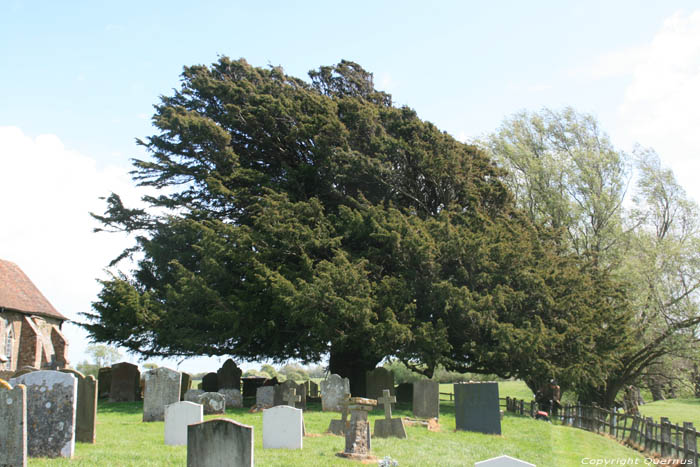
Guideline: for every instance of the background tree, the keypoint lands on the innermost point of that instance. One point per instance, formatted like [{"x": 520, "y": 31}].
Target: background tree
[
  {"x": 302, "y": 220},
  {"x": 101, "y": 356}
]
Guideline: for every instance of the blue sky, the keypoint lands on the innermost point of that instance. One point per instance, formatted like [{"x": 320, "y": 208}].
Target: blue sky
[{"x": 79, "y": 80}]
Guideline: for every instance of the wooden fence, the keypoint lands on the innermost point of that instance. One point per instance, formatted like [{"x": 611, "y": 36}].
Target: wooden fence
[{"x": 663, "y": 438}]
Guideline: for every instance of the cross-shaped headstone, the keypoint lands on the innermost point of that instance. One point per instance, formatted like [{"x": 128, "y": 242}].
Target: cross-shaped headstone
[
  {"x": 292, "y": 397},
  {"x": 387, "y": 399}
]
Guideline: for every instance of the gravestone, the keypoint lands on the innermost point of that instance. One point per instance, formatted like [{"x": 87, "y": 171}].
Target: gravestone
[
  {"x": 251, "y": 385},
  {"x": 503, "y": 461},
  {"x": 126, "y": 379},
  {"x": 24, "y": 370},
  {"x": 86, "y": 410},
  {"x": 404, "y": 393},
  {"x": 193, "y": 395},
  {"x": 213, "y": 403},
  {"x": 337, "y": 427},
  {"x": 229, "y": 376},
  {"x": 282, "y": 428},
  {"x": 104, "y": 382},
  {"x": 219, "y": 442},
  {"x": 185, "y": 384},
  {"x": 265, "y": 396},
  {"x": 300, "y": 391},
  {"x": 388, "y": 427},
  {"x": 313, "y": 389},
  {"x": 334, "y": 391},
  {"x": 177, "y": 417},
  {"x": 426, "y": 399},
  {"x": 13, "y": 424},
  {"x": 233, "y": 398},
  {"x": 358, "y": 440},
  {"x": 377, "y": 381},
  {"x": 161, "y": 388},
  {"x": 210, "y": 382},
  {"x": 51, "y": 406},
  {"x": 477, "y": 407}
]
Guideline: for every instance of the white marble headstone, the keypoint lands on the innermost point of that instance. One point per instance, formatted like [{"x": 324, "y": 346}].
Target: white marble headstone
[
  {"x": 282, "y": 428},
  {"x": 177, "y": 417}
]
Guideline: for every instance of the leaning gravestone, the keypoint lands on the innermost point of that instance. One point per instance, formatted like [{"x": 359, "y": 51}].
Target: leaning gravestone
[
  {"x": 378, "y": 380},
  {"x": 104, "y": 382},
  {"x": 426, "y": 399},
  {"x": 233, "y": 398},
  {"x": 477, "y": 407},
  {"x": 389, "y": 427},
  {"x": 51, "y": 405},
  {"x": 126, "y": 379},
  {"x": 177, "y": 417},
  {"x": 185, "y": 384},
  {"x": 213, "y": 403},
  {"x": 219, "y": 442},
  {"x": 229, "y": 376},
  {"x": 13, "y": 426},
  {"x": 193, "y": 395},
  {"x": 334, "y": 391},
  {"x": 210, "y": 382},
  {"x": 282, "y": 428},
  {"x": 161, "y": 388},
  {"x": 503, "y": 461},
  {"x": 265, "y": 396},
  {"x": 86, "y": 410}
]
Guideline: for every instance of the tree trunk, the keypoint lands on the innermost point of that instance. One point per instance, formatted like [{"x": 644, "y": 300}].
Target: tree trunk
[{"x": 352, "y": 364}]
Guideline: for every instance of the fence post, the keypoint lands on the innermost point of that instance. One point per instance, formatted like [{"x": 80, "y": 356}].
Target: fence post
[
  {"x": 507, "y": 404},
  {"x": 665, "y": 437},
  {"x": 690, "y": 444},
  {"x": 613, "y": 423},
  {"x": 522, "y": 407},
  {"x": 649, "y": 434},
  {"x": 532, "y": 409}
]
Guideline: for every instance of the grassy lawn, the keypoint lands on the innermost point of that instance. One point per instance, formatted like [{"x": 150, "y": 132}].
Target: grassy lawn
[
  {"x": 677, "y": 410},
  {"x": 123, "y": 440}
]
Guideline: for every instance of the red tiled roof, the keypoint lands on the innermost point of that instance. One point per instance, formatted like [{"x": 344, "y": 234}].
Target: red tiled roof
[{"x": 18, "y": 293}]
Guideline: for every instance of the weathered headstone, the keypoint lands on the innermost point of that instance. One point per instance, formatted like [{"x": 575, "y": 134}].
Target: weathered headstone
[
  {"x": 282, "y": 428},
  {"x": 210, "y": 382},
  {"x": 300, "y": 392},
  {"x": 388, "y": 427},
  {"x": 51, "y": 406},
  {"x": 477, "y": 407},
  {"x": 86, "y": 410},
  {"x": 404, "y": 393},
  {"x": 185, "y": 384},
  {"x": 378, "y": 380},
  {"x": 219, "y": 442},
  {"x": 337, "y": 427},
  {"x": 265, "y": 396},
  {"x": 334, "y": 391},
  {"x": 313, "y": 389},
  {"x": 233, "y": 398},
  {"x": 426, "y": 399},
  {"x": 177, "y": 417},
  {"x": 193, "y": 395},
  {"x": 229, "y": 376},
  {"x": 358, "y": 440},
  {"x": 161, "y": 388},
  {"x": 125, "y": 383},
  {"x": 13, "y": 425},
  {"x": 503, "y": 461},
  {"x": 104, "y": 382},
  {"x": 213, "y": 403}
]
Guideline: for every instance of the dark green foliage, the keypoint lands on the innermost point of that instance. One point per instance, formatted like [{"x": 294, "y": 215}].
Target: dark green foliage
[{"x": 299, "y": 220}]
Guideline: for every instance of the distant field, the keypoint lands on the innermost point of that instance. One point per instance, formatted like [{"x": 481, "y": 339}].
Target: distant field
[{"x": 677, "y": 410}]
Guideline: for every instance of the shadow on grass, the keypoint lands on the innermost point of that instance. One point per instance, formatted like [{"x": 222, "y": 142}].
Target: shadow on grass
[{"x": 125, "y": 408}]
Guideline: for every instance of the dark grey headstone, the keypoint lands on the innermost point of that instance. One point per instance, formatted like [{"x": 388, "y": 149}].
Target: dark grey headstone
[
  {"x": 210, "y": 382},
  {"x": 404, "y": 393},
  {"x": 229, "y": 376},
  {"x": 378, "y": 380},
  {"x": 86, "y": 410},
  {"x": 126, "y": 383},
  {"x": 219, "y": 442},
  {"x": 426, "y": 399},
  {"x": 185, "y": 384},
  {"x": 104, "y": 382},
  {"x": 477, "y": 407}
]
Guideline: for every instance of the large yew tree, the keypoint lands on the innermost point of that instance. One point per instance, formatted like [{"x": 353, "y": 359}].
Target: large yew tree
[{"x": 303, "y": 219}]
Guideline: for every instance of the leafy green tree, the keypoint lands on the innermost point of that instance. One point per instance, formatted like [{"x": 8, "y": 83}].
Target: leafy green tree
[
  {"x": 298, "y": 220},
  {"x": 103, "y": 355}
]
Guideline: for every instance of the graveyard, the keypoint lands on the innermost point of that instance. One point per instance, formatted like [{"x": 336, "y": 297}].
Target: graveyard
[{"x": 123, "y": 437}]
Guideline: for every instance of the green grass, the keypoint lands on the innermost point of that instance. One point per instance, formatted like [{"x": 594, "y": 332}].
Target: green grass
[
  {"x": 515, "y": 389},
  {"x": 123, "y": 440},
  {"x": 676, "y": 410}
]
